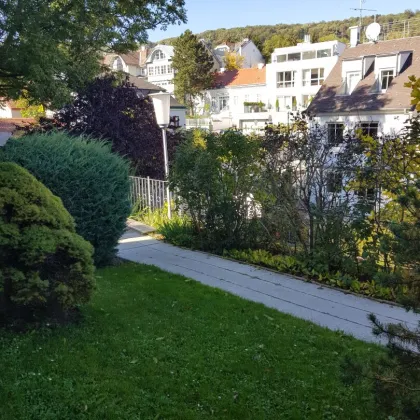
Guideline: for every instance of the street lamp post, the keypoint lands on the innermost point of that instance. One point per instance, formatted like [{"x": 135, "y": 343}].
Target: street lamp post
[{"x": 162, "y": 104}]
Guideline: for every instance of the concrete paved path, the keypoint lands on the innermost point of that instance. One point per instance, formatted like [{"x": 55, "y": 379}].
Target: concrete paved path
[{"x": 330, "y": 308}]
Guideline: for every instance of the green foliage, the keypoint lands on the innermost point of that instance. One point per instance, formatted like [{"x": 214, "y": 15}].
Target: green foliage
[
  {"x": 268, "y": 37},
  {"x": 316, "y": 271},
  {"x": 57, "y": 46},
  {"x": 28, "y": 109},
  {"x": 92, "y": 182},
  {"x": 414, "y": 85},
  {"x": 213, "y": 176},
  {"x": 192, "y": 64},
  {"x": 46, "y": 269},
  {"x": 179, "y": 232}
]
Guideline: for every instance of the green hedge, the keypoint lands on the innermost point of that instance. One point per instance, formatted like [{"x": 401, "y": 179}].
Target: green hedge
[
  {"x": 45, "y": 267},
  {"x": 92, "y": 182}
]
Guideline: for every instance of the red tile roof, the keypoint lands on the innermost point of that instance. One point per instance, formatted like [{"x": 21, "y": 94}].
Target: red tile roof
[
  {"x": 241, "y": 77},
  {"x": 397, "y": 96},
  {"x": 11, "y": 124}
]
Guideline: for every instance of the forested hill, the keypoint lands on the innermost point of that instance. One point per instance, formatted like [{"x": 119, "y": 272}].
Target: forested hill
[{"x": 268, "y": 37}]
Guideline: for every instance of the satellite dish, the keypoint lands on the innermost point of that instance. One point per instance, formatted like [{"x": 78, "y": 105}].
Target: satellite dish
[{"x": 373, "y": 31}]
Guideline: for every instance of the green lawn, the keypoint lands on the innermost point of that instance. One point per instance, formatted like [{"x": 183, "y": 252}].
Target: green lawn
[{"x": 158, "y": 346}]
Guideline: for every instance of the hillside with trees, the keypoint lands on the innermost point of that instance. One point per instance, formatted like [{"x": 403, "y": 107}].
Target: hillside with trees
[{"x": 268, "y": 37}]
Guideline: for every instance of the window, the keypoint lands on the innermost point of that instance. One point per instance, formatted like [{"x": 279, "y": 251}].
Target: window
[
  {"x": 286, "y": 79},
  {"x": 223, "y": 102},
  {"x": 308, "y": 55},
  {"x": 213, "y": 104},
  {"x": 335, "y": 133},
  {"x": 151, "y": 71},
  {"x": 313, "y": 77},
  {"x": 246, "y": 98},
  {"x": 118, "y": 64},
  {"x": 293, "y": 57},
  {"x": 286, "y": 103},
  {"x": 158, "y": 55},
  {"x": 169, "y": 68},
  {"x": 281, "y": 58},
  {"x": 386, "y": 78},
  {"x": 369, "y": 129},
  {"x": 353, "y": 78},
  {"x": 334, "y": 182},
  {"x": 323, "y": 53},
  {"x": 306, "y": 100}
]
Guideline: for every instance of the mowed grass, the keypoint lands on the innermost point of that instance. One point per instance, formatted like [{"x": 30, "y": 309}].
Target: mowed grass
[{"x": 154, "y": 345}]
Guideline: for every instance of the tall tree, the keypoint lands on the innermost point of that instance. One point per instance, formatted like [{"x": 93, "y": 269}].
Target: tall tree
[
  {"x": 193, "y": 65},
  {"x": 52, "y": 48}
]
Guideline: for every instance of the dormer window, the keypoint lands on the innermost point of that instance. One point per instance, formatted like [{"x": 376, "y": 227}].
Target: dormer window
[
  {"x": 352, "y": 79},
  {"x": 118, "y": 64},
  {"x": 158, "y": 55},
  {"x": 386, "y": 78}
]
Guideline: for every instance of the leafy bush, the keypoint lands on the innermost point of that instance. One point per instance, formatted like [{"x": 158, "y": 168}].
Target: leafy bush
[
  {"x": 213, "y": 176},
  {"x": 179, "y": 232},
  {"x": 45, "y": 267},
  {"x": 92, "y": 182},
  {"x": 306, "y": 268}
]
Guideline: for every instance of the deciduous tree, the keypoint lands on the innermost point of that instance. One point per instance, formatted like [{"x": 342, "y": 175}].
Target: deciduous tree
[{"x": 52, "y": 48}]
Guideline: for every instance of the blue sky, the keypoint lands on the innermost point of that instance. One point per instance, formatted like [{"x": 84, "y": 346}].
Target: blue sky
[{"x": 214, "y": 14}]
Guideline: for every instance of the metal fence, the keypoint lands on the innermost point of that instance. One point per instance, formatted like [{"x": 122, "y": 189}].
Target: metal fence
[{"x": 148, "y": 193}]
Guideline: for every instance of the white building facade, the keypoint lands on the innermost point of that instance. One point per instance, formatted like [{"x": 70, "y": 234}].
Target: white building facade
[
  {"x": 239, "y": 100},
  {"x": 296, "y": 74},
  {"x": 246, "y": 49},
  {"x": 159, "y": 67},
  {"x": 366, "y": 88}
]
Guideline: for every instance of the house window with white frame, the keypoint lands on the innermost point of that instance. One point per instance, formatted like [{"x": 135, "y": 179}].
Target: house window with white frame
[
  {"x": 308, "y": 55},
  {"x": 335, "y": 133},
  {"x": 323, "y": 53},
  {"x": 151, "y": 71},
  {"x": 286, "y": 79},
  {"x": 158, "y": 55},
  {"x": 313, "y": 77},
  {"x": 118, "y": 64},
  {"x": 370, "y": 128},
  {"x": 169, "y": 68},
  {"x": 352, "y": 79},
  {"x": 286, "y": 103},
  {"x": 386, "y": 78},
  {"x": 223, "y": 103}
]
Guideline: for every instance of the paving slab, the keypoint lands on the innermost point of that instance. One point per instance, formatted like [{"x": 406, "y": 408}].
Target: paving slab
[
  {"x": 139, "y": 227},
  {"x": 327, "y": 307}
]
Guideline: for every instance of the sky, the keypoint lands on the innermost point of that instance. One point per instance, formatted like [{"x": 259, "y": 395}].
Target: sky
[{"x": 213, "y": 14}]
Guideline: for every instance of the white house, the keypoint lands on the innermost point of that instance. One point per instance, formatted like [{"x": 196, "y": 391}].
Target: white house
[
  {"x": 366, "y": 87},
  {"x": 296, "y": 74},
  {"x": 238, "y": 99},
  {"x": 246, "y": 48},
  {"x": 159, "y": 67},
  {"x": 133, "y": 63}
]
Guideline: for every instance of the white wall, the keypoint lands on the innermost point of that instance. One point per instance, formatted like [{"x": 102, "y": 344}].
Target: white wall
[
  {"x": 299, "y": 90},
  {"x": 6, "y": 111},
  {"x": 164, "y": 80},
  {"x": 252, "y": 55},
  {"x": 389, "y": 123}
]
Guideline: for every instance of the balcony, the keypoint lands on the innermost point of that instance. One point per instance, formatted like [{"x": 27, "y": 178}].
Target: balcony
[{"x": 254, "y": 107}]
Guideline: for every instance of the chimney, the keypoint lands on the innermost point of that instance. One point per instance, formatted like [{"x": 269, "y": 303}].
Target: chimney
[
  {"x": 354, "y": 36},
  {"x": 307, "y": 39},
  {"x": 260, "y": 66}
]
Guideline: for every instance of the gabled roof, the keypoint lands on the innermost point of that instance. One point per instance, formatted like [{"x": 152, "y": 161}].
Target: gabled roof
[
  {"x": 133, "y": 58},
  {"x": 241, "y": 77},
  {"x": 328, "y": 99}
]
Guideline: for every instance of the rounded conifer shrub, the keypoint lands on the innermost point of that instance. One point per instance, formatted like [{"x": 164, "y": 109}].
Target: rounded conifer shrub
[
  {"x": 92, "y": 182},
  {"x": 46, "y": 268}
]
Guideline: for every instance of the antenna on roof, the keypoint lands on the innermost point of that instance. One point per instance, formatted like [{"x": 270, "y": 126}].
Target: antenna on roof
[{"x": 361, "y": 10}]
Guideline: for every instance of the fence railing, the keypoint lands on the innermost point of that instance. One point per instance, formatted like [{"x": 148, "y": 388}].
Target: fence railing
[{"x": 148, "y": 193}]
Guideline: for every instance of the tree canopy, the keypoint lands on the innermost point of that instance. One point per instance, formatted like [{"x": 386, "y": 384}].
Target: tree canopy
[
  {"x": 52, "y": 48},
  {"x": 338, "y": 29},
  {"x": 193, "y": 64}
]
